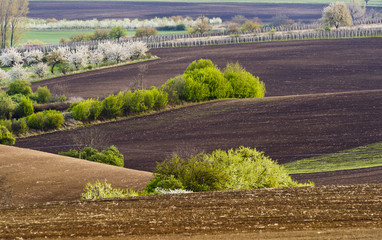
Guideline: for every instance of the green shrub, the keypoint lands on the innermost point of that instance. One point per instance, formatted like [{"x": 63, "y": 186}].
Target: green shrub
[
  {"x": 111, "y": 107},
  {"x": 125, "y": 99},
  {"x": 149, "y": 100},
  {"x": 19, "y": 86},
  {"x": 244, "y": 85},
  {"x": 169, "y": 183},
  {"x": 19, "y": 126},
  {"x": 199, "y": 64},
  {"x": 7, "y": 106},
  {"x": 43, "y": 95},
  {"x": 160, "y": 98},
  {"x": 146, "y": 32},
  {"x": 117, "y": 32},
  {"x": 86, "y": 111},
  {"x": 7, "y": 124},
  {"x": 109, "y": 155},
  {"x": 137, "y": 104},
  {"x": 175, "y": 90},
  {"x": 242, "y": 168},
  {"x": 25, "y": 107},
  {"x": 47, "y": 120},
  {"x": 100, "y": 190},
  {"x": 6, "y": 137},
  {"x": 195, "y": 91}
]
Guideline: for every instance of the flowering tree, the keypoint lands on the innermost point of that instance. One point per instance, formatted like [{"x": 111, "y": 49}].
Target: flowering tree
[
  {"x": 4, "y": 78},
  {"x": 79, "y": 57},
  {"x": 17, "y": 72},
  {"x": 115, "y": 52},
  {"x": 33, "y": 57},
  {"x": 11, "y": 58},
  {"x": 57, "y": 56},
  {"x": 138, "y": 49},
  {"x": 336, "y": 14},
  {"x": 96, "y": 57},
  {"x": 40, "y": 69}
]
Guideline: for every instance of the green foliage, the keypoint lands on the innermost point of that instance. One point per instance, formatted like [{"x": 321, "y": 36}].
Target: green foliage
[
  {"x": 6, "y": 137},
  {"x": 43, "y": 94},
  {"x": 7, "y": 106},
  {"x": 160, "y": 98},
  {"x": 146, "y": 32},
  {"x": 109, "y": 155},
  {"x": 111, "y": 107},
  {"x": 21, "y": 87},
  {"x": 25, "y": 107},
  {"x": 46, "y": 120},
  {"x": 244, "y": 85},
  {"x": 19, "y": 126},
  {"x": 169, "y": 183},
  {"x": 7, "y": 124},
  {"x": 242, "y": 168},
  {"x": 117, "y": 32},
  {"x": 86, "y": 111},
  {"x": 137, "y": 103},
  {"x": 100, "y": 190},
  {"x": 175, "y": 90},
  {"x": 63, "y": 67}
]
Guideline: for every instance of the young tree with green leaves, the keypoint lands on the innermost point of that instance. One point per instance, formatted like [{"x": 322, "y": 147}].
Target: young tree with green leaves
[{"x": 336, "y": 14}]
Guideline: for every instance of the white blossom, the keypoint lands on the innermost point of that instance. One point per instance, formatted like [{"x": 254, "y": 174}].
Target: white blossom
[
  {"x": 40, "y": 69},
  {"x": 11, "y": 58},
  {"x": 17, "y": 72},
  {"x": 115, "y": 52},
  {"x": 96, "y": 57},
  {"x": 4, "y": 78},
  {"x": 169, "y": 191},
  {"x": 33, "y": 56},
  {"x": 78, "y": 57},
  {"x": 138, "y": 49}
]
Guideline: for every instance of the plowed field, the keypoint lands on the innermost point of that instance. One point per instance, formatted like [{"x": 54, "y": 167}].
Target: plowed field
[
  {"x": 287, "y": 68},
  {"x": 330, "y": 212},
  {"x": 146, "y": 10}
]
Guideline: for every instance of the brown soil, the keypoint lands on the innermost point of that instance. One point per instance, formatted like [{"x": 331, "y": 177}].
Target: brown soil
[
  {"x": 287, "y": 68},
  {"x": 286, "y": 128},
  {"x": 330, "y": 212},
  {"x": 28, "y": 176},
  {"x": 148, "y": 10}
]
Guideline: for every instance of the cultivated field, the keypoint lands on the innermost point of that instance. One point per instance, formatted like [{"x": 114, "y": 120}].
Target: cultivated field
[
  {"x": 146, "y": 10},
  {"x": 287, "y": 68},
  {"x": 330, "y": 212}
]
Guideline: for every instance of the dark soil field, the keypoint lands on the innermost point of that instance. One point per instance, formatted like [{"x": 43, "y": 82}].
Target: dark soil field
[
  {"x": 287, "y": 68},
  {"x": 146, "y": 10},
  {"x": 329, "y": 212}
]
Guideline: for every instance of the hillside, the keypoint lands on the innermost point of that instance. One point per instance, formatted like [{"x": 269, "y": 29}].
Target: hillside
[{"x": 28, "y": 176}]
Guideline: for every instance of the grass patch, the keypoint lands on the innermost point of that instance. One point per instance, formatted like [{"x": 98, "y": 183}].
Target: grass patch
[{"x": 360, "y": 157}]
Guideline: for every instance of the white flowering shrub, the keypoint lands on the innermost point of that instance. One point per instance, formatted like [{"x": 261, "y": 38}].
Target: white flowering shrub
[
  {"x": 96, "y": 57},
  {"x": 17, "y": 72},
  {"x": 40, "y": 69},
  {"x": 78, "y": 57},
  {"x": 138, "y": 49},
  {"x": 11, "y": 58},
  {"x": 33, "y": 57},
  {"x": 4, "y": 78},
  {"x": 170, "y": 191},
  {"x": 63, "y": 52},
  {"x": 115, "y": 52}
]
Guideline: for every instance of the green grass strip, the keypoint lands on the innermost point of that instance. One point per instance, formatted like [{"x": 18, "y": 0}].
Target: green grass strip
[{"x": 360, "y": 157}]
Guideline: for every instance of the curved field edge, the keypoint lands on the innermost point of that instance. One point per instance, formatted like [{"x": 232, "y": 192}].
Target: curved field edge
[
  {"x": 278, "y": 210},
  {"x": 360, "y": 157},
  {"x": 29, "y": 176}
]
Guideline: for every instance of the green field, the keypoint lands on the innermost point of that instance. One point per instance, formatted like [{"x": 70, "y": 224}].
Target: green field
[
  {"x": 360, "y": 157},
  {"x": 53, "y": 37},
  {"x": 371, "y": 2}
]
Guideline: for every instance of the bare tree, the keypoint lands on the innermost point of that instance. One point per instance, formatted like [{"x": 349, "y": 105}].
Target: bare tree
[
  {"x": 90, "y": 137},
  {"x": 357, "y": 12},
  {"x": 336, "y": 14},
  {"x": 139, "y": 79},
  {"x": 11, "y": 13}
]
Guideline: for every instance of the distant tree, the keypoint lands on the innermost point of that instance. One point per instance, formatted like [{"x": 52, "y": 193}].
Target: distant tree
[
  {"x": 19, "y": 10},
  {"x": 281, "y": 20},
  {"x": 117, "y": 32},
  {"x": 366, "y": 1},
  {"x": 357, "y": 12},
  {"x": 239, "y": 19},
  {"x": 100, "y": 34},
  {"x": 250, "y": 26},
  {"x": 336, "y": 14},
  {"x": 54, "y": 58},
  {"x": 146, "y": 32},
  {"x": 11, "y": 58},
  {"x": 233, "y": 28},
  {"x": 202, "y": 25}
]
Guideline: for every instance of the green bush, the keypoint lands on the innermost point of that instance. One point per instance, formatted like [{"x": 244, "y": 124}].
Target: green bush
[
  {"x": 47, "y": 120},
  {"x": 21, "y": 87},
  {"x": 109, "y": 155},
  {"x": 111, "y": 107},
  {"x": 125, "y": 99},
  {"x": 43, "y": 95},
  {"x": 117, "y": 32},
  {"x": 100, "y": 190},
  {"x": 7, "y": 124},
  {"x": 146, "y": 32},
  {"x": 19, "y": 126},
  {"x": 25, "y": 107},
  {"x": 244, "y": 85},
  {"x": 175, "y": 90},
  {"x": 242, "y": 168},
  {"x": 160, "y": 98},
  {"x": 6, "y": 137},
  {"x": 149, "y": 100},
  {"x": 86, "y": 111},
  {"x": 137, "y": 104},
  {"x": 7, "y": 106}
]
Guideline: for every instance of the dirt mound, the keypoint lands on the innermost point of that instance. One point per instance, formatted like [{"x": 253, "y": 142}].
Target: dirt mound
[
  {"x": 249, "y": 213},
  {"x": 28, "y": 176}
]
